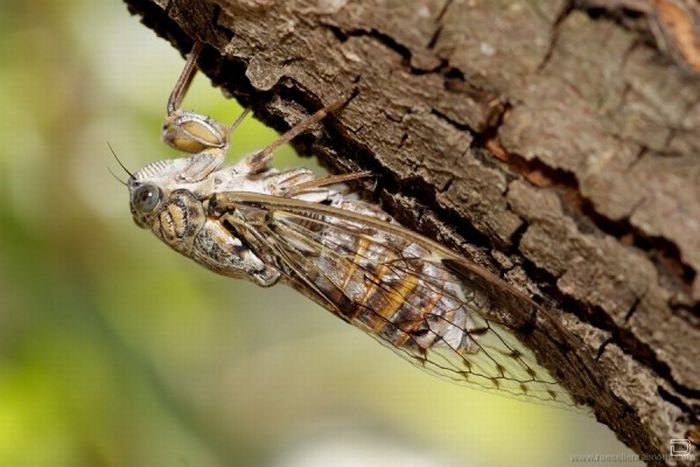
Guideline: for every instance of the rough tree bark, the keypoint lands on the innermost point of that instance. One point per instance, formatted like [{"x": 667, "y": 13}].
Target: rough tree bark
[{"x": 551, "y": 141}]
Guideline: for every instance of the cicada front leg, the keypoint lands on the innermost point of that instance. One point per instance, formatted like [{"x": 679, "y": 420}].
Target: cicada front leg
[
  {"x": 189, "y": 131},
  {"x": 196, "y": 133}
]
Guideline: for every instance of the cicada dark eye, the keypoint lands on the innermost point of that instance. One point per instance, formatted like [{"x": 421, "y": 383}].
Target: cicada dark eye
[{"x": 146, "y": 198}]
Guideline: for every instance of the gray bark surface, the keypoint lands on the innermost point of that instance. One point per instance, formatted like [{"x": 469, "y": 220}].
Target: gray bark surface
[{"x": 554, "y": 144}]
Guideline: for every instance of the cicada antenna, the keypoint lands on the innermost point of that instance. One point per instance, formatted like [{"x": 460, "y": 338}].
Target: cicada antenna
[
  {"x": 111, "y": 149},
  {"x": 116, "y": 178}
]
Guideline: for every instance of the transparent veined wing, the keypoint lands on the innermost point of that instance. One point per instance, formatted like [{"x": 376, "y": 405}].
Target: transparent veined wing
[{"x": 436, "y": 309}]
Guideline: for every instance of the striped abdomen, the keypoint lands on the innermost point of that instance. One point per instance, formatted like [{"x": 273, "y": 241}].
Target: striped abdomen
[{"x": 377, "y": 282}]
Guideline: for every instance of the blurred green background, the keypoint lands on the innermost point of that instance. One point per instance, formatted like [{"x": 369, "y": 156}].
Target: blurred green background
[{"x": 116, "y": 351}]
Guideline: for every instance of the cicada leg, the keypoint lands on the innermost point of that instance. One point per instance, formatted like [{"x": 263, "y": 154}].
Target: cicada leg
[
  {"x": 188, "y": 131},
  {"x": 193, "y": 133},
  {"x": 262, "y": 158}
]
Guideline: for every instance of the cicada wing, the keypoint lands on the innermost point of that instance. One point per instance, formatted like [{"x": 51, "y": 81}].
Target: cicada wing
[{"x": 431, "y": 306}]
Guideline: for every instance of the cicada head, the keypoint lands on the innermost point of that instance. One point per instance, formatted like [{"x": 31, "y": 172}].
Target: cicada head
[{"x": 165, "y": 195}]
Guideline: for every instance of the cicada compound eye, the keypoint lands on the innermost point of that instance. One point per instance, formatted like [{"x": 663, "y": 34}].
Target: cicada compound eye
[{"x": 146, "y": 198}]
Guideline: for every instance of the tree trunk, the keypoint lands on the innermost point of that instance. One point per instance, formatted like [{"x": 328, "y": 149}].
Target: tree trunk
[{"x": 553, "y": 143}]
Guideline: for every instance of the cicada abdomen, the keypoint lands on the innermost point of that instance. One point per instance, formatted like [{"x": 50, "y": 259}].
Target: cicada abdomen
[{"x": 380, "y": 281}]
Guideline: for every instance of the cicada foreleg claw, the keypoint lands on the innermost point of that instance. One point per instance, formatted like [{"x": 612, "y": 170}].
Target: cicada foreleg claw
[
  {"x": 189, "y": 131},
  {"x": 194, "y": 133}
]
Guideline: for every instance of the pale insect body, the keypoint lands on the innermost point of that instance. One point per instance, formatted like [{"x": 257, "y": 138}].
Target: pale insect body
[{"x": 252, "y": 221}]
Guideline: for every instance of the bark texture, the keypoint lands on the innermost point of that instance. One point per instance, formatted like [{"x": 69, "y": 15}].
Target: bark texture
[{"x": 553, "y": 142}]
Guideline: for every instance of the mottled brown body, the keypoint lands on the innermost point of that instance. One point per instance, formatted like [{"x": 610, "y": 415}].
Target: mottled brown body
[
  {"x": 251, "y": 221},
  {"x": 441, "y": 312},
  {"x": 380, "y": 288}
]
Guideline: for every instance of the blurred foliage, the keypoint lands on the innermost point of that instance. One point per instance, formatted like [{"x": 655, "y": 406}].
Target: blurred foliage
[{"x": 116, "y": 351}]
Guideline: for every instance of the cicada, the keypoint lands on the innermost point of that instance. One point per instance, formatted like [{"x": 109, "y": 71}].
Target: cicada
[{"x": 251, "y": 221}]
